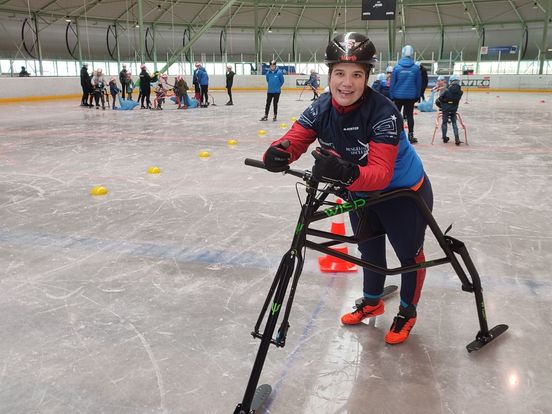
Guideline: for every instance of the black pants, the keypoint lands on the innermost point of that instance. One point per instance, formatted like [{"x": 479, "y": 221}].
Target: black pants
[
  {"x": 229, "y": 90},
  {"x": 315, "y": 92},
  {"x": 269, "y": 98},
  {"x": 85, "y": 94},
  {"x": 123, "y": 90},
  {"x": 408, "y": 112},
  {"x": 145, "y": 95},
  {"x": 204, "y": 94},
  {"x": 403, "y": 223},
  {"x": 97, "y": 96},
  {"x": 452, "y": 116}
]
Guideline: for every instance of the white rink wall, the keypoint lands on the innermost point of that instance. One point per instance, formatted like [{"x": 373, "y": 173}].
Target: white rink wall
[{"x": 60, "y": 86}]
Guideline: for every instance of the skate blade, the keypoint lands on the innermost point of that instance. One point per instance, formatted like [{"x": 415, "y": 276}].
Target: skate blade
[
  {"x": 261, "y": 394},
  {"x": 493, "y": 334}
]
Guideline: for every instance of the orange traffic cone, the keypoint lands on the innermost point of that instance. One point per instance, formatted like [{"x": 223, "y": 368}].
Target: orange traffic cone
[{"x": 334, "y": 264}]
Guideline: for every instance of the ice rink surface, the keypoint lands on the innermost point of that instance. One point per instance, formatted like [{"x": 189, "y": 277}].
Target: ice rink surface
[{"x": 143, "y": 300}]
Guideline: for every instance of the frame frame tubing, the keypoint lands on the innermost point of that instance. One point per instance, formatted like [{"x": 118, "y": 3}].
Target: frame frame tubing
[{"x": 293, "y": 260}]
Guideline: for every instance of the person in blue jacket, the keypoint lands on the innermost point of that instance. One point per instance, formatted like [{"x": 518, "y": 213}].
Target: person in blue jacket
[
  {"x": 363, "y": 148},
  {"x": 380, "y": 85},
  {"x": 195, "y": 82},
  {"x": 113, "y": 91},
  {"x": 203, "y": 79},
  {"x": 406, "y": 84},
  {"x": 274, "y": 80},
  {"x": 314, "y": 83}
]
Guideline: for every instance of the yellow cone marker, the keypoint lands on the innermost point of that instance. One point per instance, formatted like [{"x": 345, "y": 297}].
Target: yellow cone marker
[
  {"x": 232, "y": 142},
  {"x": 204, "y": 155},
  {"x": 262, "y": 132},
  {"x": 98, "y": 191},
  {"x": 293, "y": 119},
  {"x": 154, "y": 170},
  {"x": 283, "y": 125}
]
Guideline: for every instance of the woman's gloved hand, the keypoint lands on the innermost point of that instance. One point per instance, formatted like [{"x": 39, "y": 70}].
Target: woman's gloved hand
[
  {"x": 329, "y": 167},
  {"x": 276, "y": 158}
]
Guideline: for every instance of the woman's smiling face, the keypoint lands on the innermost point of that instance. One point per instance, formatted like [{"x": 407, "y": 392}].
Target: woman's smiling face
[{"x": 347, "y": 82}]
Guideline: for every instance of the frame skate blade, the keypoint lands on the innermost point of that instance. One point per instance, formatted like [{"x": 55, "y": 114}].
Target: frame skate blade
[
  {"x": 480, "y": 342},
  {"x": 261, "y": 394}
]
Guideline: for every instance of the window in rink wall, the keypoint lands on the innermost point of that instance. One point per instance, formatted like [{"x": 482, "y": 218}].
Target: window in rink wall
[{"x": 11, "y": 68}]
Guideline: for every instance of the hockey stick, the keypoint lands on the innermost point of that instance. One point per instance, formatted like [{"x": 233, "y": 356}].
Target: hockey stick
[{"x": 301, "y": 94}]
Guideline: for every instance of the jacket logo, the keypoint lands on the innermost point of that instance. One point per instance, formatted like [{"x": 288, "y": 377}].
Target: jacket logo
[
  {"x": 351, "y": 128},
  {"x": 366, "y": 150},
  {"x": 386, "y": 126}
]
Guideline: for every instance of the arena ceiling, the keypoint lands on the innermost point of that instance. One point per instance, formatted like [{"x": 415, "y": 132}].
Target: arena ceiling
[
  {"x": 284, "y": 28},
  {"x": 285, "y": 14}
]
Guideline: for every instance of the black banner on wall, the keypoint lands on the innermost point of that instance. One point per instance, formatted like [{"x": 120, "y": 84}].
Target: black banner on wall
[{"x": 378, "y": 9}]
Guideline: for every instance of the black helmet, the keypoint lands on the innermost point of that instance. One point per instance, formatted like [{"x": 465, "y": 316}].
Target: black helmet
[{"x": 351, "y": 47}]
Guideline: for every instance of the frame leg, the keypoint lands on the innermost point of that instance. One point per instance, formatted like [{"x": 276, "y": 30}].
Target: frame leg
[
  {"x": 463, "y": 127},
  {"x": 485, "y": 335},
  {"x": 439, "y": 115}
]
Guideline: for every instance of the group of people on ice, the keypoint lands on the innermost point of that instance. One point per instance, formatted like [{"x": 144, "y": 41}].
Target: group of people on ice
[{"x": 97, "y": 91}]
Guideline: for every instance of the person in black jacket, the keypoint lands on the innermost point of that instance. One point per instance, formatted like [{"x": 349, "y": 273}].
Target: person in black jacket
[
  {"x": 145, "y": 87},
  {"x": 24, "y": 73},
  {"x": 425, "y": 81},
  {"x": 86, "y": 84},
  {"x": 229, "y": 82},
  {"x": 123, "y": 78},
  {"x": 448, "y": 102},
  {"x": 195, "y": 82}
]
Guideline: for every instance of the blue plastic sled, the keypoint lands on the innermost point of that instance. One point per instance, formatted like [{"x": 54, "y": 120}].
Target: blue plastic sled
[
  {"x": 427, "y": 105},
  {"x": 127, "y": 104},
  {"x": 193, "y": 102}
]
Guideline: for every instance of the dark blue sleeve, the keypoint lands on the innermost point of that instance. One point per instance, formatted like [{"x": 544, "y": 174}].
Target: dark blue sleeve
[
  {"x": 419, "y": 81},
  {"x": 309, "y": 116}
]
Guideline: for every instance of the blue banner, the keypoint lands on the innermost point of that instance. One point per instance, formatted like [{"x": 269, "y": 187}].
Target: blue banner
[{"x": 502, "y": 49}]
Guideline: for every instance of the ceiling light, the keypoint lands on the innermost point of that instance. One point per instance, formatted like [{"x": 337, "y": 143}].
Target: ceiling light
[
  {"x": 535, "y": 5},
  {"x": 67, "y": 19},
  {"x": 270, "y": 30},
  {"x": 473, "y": 27},
  {"x": 136, "y": 25}
]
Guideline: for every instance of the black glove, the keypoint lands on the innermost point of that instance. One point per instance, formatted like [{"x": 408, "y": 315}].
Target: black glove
[
  {"x": 276, "y": 159},
  {"x": 330, "y": 168}
]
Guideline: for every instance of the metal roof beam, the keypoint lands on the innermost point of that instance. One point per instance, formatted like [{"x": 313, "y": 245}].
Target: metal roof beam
[
  {"x": 514, "y": 8},
  {"x": 176, "y": 56},
  {"x": 300, "y": 17},
  {"x": 201, "y": 11},
  {"x": 232, "y": 15}
]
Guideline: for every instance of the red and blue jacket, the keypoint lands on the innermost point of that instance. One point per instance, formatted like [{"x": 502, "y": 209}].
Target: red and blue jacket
[{"x": 369, "y": 133}]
